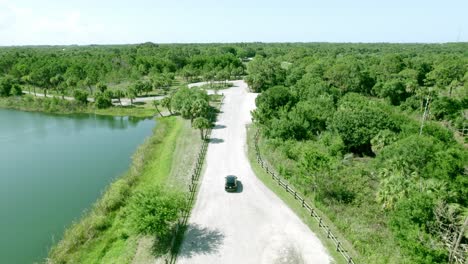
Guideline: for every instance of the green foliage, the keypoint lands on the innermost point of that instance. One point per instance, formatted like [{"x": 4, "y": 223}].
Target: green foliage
[
  {"x": 103, "y": 100},
  {"x": 412, "y": 152},
  {"x": 358, "y": 122},
  {"x": 203, "y": 124},
  {"x": 131, "y": 93},
  {"x": 154, "y": 210},
  {"x": 269, "y": 102},
  {"x": 411, "y": 222},
  {"x": 305, "y": 120},
  {"x": 166, "y": 102},
  {"x": 9, "y": 87},
  {"x": 80, "y": 96},
  {"x": 382, "y": 139},
  {"x": 190, "y": 103},
  {"x": 348, "y": 75},
  {"x": 446, "y": 108},
  {"x": 264, "y": 73},
  {"x": 394, "y": 90}
]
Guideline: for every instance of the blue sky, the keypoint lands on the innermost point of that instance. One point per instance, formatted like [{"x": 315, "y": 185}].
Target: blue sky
[{"x": 32, "y": 22}]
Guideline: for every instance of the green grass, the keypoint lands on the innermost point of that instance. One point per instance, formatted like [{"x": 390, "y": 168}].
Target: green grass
[
  {"x": 103, "y": 234},
  {"x": 296, "y": 206}
]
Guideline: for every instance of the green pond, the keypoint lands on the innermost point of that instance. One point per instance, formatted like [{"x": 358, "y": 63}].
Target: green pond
[{"x": 52, "y": 168}]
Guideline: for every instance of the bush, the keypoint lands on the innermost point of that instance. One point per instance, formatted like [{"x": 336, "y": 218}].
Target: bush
[
  {"x": 103, "y": 100},
  {"x": 115, "y": 196},
  {"x": 80, "y": 96},
  {"x": 445, "y": 108},
  {"x": 153, "y": 211},
  {"x": 411, "y": 222}
]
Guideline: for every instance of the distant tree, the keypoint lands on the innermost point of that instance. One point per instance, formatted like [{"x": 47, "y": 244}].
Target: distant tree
[
  {"x": 190, "y": 103},
  {"x": 264, "y": 73},
  {"x": 131, "y": 93},
  {"x": 147, "y": 87},
  {"x": 444, "y": 75},
  {"x": 88, "y": 82},
  {"x": 203, "y": 124},
  {"x": 156, "y": 104},
  {"x": 166, "y": 102},
  {"x": 348, "y": 75},
  {"x": 394, "y": 90},
  {"x": 119, "y": 94},
  {"x": 9, "y": 86}
]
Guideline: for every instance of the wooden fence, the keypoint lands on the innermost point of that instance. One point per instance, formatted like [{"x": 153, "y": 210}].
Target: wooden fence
[
  {"x": 301, "y": 200},
  {"x": 192, "y": 191}
]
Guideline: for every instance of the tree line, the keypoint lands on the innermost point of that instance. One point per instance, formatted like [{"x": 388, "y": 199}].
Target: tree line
[{"x": 94, "y": 71}]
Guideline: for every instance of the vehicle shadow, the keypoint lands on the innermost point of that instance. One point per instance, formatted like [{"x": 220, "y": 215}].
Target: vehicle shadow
[
  {"x": 216, "y": 140},
  {"x": 240, "y": 187},
  {"x": 200, "y": 240},
  {"x": 219, "y": 127}
]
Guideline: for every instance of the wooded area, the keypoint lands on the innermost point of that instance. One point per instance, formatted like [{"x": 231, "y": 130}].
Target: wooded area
[{"x": 370, "y": 132}]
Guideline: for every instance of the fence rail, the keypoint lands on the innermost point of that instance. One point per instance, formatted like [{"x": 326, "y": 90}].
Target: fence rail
[
  {"x": 304, "y": 204},
  {"x": 192, "y": 190}
]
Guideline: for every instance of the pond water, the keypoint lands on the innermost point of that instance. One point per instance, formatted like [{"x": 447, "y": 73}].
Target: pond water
[{"x": 52, "y": 168}]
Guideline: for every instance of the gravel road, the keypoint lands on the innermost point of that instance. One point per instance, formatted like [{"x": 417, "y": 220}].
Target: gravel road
[{"x": 252, "y": 225}]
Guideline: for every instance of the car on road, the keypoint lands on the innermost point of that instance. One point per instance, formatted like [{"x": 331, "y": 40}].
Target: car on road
[{"x": 231, "y": 183}]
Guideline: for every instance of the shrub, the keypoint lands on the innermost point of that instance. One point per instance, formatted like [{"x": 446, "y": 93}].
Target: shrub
[
  {"x": 103, "y": 100},
  {"x": 80, "y": 96},
  {"x": 154, "y": 210}
]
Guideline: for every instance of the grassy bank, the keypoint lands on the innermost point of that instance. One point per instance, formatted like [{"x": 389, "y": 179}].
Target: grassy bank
[
  {"x": 105, "y": 233},
  {"x": 58, "y": 106}
]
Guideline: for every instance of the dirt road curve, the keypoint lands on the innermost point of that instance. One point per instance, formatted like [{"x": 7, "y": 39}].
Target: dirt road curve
[{"x": 252, "y": 225}]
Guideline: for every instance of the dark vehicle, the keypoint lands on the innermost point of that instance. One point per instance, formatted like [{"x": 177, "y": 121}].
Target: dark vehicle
[{"x": 231, "y": 183}]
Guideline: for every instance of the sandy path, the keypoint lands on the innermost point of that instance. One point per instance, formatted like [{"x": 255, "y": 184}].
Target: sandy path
[{"x": 252, "y": 225}]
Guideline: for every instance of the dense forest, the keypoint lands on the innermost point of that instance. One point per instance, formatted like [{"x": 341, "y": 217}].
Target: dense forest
[{"x": 374, "y": 135}]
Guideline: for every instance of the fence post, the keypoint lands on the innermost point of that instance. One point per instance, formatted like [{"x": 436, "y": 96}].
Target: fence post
[{"x": 338, "y": 246}]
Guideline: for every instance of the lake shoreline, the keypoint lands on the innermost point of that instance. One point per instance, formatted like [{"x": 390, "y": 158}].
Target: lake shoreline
[{"x": 56, "y": 105}]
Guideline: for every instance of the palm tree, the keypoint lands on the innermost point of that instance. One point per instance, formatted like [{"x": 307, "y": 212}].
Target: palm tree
[{"x": 203, "y": 124}]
